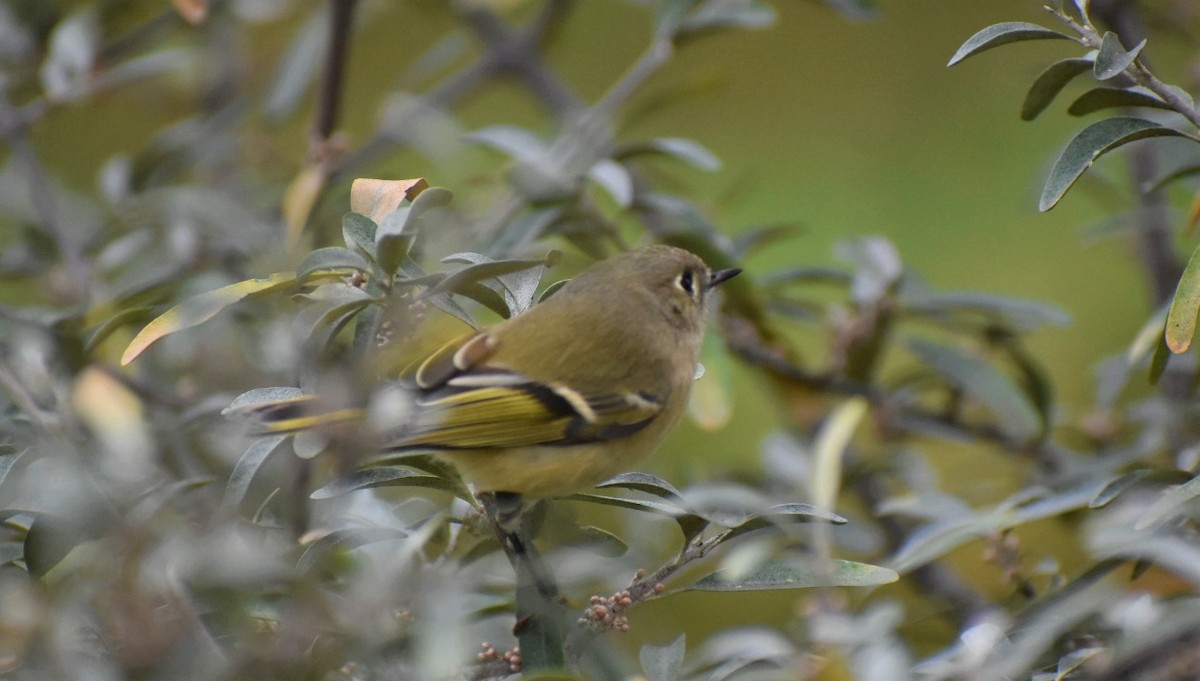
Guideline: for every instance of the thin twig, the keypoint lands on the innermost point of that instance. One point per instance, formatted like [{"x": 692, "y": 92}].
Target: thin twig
[
  {"x": 333, "y": 79},
  {"x": 1138, "y": 71},
  {"x": 650, "y": 586}
]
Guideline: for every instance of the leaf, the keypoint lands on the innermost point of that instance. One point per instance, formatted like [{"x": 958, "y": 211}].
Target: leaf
[
  {"x": 778, "y": 515},
  {"x": 829, "y": 447},
  {"x": 1023, "y": 315},
  {"x": 299, "y": 67},
  {"x": 331, "y": 258},
  {"x": 11, "y": 551},
  {"x": 377, "y": 199},
  {"x": 154, "y": 501},
  {"x": 689, "y": 151},
  {"x": 192, "y": 11},
  {"x": 387, "y": 476},
  {"x": 515, "y": 142},
  {"x": 1003, "y": 34},
  {"x": 319, "y": 324},
  {"x": 398, "y": 230},
  {"x": 1091, "y": 143},
  {"x": 345, "y": 540},
  {"x": 1034, "y": 381},
  {"x": 518, "y": 288},
  {"x": 480, "y": 272},
  {"x": 201, "y": 308},
  {"x": 930, "y": 542},
  {"x": 754, "y": 239},
  {"x": 1169, "y": 504},
  {"x": 1112, "y": 59},
  {"x": 663, "y": 663},
  {"x": 48, "y": 542},
  {"x": 644, "y": 482},
  {"x": 877, "y": 267},
  {"x": 598, "y": 541},
  {"x": 855, "y": 10},
  {"x": 1101, "y": 98},
  {"x": 486, "y": 297},
  {"x": 300, "y": 198},
  {"x": 67, "y": 70},
  {"x": 798, "y": 574},
  {"x": 1150, "y": 335},
  {"x": 615, "y": 180},
  {"x": 1158, "y": 363},
  {"x": 552, "y": 289},
  {"x": 1016, "y": 415},
  {"x": 803, "y": 274},
  {"x": 1132, "y": 479},
  {"x": 247, "y": 466},
  {"x": 106, "y": 329},
  {"x": 261, "y": 397},
  {"x": 933, "y": 541},
  {"x": 721, "y": 14},
  {"x": 1189, "y": 170},
  {"x": 7, "y": 461},
  {"x": 358, "y": 231},
  {"x": 1047, "y": 85},
  {"x": 690, "y": 524},
  {"x": 1181, "y": 317}
]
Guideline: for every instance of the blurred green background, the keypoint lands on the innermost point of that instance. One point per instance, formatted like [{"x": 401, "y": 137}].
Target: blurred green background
[{"x": 842, "y": 128}]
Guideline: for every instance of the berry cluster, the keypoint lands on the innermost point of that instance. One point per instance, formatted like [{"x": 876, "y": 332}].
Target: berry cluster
[{"x": 512, "y": 657}]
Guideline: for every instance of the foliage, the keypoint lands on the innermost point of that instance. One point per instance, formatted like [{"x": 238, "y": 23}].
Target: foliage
[{"x": 146, "y": 534}]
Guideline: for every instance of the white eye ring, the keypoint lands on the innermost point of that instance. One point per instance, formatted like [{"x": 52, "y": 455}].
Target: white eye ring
[{"x": 687, "y": 281}]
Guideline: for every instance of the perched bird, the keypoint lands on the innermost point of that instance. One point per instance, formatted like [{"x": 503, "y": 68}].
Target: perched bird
[{"x": 576, "y": 389}]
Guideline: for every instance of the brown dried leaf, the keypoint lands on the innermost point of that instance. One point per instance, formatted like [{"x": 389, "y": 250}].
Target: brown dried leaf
[
  {"x": 300, "y": 198},
  {"x": 377, "y": 199},
  {"x": 193, "y": 11}
]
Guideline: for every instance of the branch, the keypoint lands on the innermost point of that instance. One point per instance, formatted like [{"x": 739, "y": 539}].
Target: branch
[
  {"x": 1138, "y": 70},
  {"x": 333, "y": 80}
]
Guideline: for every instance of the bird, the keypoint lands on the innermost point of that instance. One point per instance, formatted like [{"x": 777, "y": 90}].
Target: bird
[
  {"x": 576, "y": 389},
  {"x": 567, "y": 394}
]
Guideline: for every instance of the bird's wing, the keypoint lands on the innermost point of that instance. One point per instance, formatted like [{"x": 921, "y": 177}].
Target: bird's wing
[{"x": 465, "y": 403}]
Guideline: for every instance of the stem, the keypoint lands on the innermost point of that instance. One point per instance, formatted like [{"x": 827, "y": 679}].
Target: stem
[
  {"x": 647, "y": 588},
  {"x": 1138, "y": 71},
  {"x": 333, "y": 80}
]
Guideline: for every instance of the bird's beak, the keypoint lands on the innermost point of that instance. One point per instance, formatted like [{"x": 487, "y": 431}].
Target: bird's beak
[{"x": 719, "y": 276}]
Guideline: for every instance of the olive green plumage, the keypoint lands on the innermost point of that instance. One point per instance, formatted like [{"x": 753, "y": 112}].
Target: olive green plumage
[
  {"x": 576, "y": 389},
  {"x": 571, "y": 392}
]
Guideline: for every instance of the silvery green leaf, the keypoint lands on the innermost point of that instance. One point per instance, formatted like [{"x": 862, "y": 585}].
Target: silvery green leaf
[
  {"x": 1090, "y": 144},
  {"x": 799, "y": 574},
  {"x": 1003, "y": 34},
  {"x": 615, "y": 180},
  {"x": 663, "y": 663},
  {"x": 67, "y": 70},
  {"x": 1112, "y": 58},
  {"x": 247, "y": 466},
  {"x": 1047, "y": 85}
]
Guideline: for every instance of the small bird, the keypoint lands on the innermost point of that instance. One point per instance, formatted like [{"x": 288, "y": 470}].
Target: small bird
[{"x": 574, "y": 390}]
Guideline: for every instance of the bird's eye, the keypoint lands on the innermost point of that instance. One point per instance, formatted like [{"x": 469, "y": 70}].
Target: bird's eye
[{"x": 687, "y": 282}]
